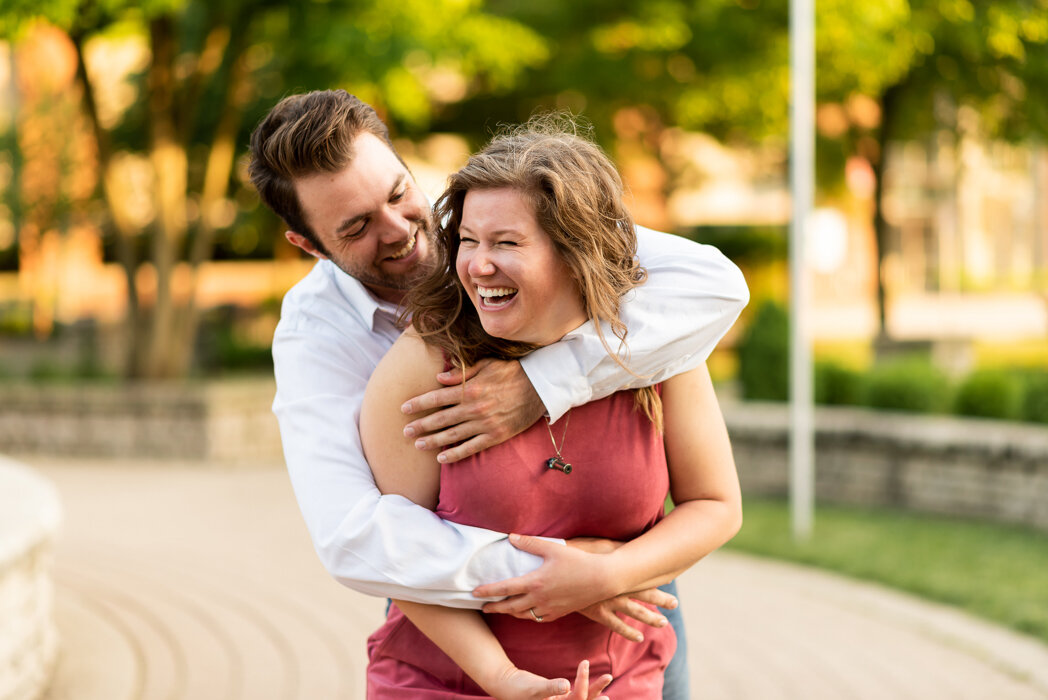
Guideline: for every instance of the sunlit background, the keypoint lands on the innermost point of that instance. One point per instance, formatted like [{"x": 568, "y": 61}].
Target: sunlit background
[{"x": 136, "y": 261}]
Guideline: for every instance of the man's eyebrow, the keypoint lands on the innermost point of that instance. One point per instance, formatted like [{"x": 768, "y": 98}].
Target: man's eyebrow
[{"x": 351, "y": 222}]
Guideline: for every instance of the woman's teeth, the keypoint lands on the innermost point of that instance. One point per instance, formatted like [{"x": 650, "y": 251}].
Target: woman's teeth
[
  {"x": 496, "y": 296},
  {"x": 495, "y": 291}
]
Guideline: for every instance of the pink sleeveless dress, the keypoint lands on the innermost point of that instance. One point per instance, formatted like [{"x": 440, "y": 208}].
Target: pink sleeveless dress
[{"x": 616, "y": 489}]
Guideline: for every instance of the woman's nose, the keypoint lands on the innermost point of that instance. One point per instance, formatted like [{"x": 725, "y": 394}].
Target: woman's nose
[{"x": 480, "y": 264}]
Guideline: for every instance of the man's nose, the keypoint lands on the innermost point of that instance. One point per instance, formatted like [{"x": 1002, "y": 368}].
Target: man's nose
[{"x": 395, "y": 228}]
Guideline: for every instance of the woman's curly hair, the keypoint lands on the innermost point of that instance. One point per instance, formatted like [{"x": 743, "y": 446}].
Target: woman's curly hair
[{"x": 576, "y": 194}]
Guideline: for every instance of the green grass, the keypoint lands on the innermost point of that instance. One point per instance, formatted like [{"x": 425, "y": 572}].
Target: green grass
[{"x": 994, "y": 571}]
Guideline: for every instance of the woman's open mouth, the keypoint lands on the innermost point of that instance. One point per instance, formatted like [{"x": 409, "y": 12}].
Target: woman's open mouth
[{"x": 494, "y": 298}]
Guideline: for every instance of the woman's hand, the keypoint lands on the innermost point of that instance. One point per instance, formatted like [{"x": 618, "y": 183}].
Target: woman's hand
[
  {"x": 569, "y": 579},
  {"x": 584, "y": 690}
]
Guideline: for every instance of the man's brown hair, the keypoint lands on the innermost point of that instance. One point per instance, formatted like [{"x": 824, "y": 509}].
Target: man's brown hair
[{"x": 304, "y": 135}]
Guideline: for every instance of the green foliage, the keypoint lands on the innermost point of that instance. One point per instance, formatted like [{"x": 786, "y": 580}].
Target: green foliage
[
  {"x": 836, "y": 385},
  {"x": 995, "y": 571},
  {"x": 745, "y": 245},
  {"x": 1035, "y": 399},
  {"x": 764, "y": 355},
  {"x": 989, "y": 394},
  {"x": 908, "y": 384},
  {"x": 223, "y": 346},
  {"x": 16, "y": 319}
]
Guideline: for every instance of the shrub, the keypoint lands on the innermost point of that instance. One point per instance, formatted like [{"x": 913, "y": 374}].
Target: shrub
[
  {"x": 836, "y": 385},
  {"x": 989, "y": 394},
  {"x": 908, "y": 384},
  {"x": 764, "y": 355},
  {"x": 1035, "y": 397}
]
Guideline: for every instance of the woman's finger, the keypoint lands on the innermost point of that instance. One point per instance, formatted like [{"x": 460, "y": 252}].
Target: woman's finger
[
  {"x": 581, "y": 689},
  {"x": 510, "y": 606},
  {"x": 598, "y": 686}
]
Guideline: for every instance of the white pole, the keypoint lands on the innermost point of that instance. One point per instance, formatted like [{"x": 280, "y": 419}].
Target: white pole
[{"x": 802, "y": 185}]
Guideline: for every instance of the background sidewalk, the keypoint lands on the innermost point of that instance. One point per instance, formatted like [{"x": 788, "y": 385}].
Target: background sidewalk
[{"x": 182, "y": 581}]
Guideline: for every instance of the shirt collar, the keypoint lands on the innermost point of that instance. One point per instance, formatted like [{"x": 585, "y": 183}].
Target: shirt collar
[{"x": 370, "y": 307}]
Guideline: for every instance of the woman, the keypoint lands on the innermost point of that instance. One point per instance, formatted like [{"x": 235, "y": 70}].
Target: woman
[{"x": 535, "y": 241}]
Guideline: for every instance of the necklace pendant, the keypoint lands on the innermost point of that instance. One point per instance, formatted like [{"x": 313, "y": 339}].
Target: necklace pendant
[{"x": 559, "y": 464}]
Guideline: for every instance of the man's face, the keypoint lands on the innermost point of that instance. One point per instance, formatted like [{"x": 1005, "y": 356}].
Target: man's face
[{"x": 371, "y": 218}]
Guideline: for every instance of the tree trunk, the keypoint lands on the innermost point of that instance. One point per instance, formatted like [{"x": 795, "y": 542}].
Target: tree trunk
[
  {"x": 124, "y": 229},
  {"x": 168, "y": 156},
  {"x": 220, "y": 161},
  {"x": 889, "y": 104}
]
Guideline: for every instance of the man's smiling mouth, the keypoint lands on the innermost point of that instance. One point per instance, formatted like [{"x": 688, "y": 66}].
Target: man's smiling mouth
[{"x": 408, "y": 247}]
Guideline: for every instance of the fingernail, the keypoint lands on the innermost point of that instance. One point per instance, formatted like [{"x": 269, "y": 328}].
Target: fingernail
[
  {"x": 514, "y": 537},
  {"x": 421, "y": 444},
  {"x": 409, "y": 432},
  {"x": 440, "y": 458},
  {"x": 406, "y": 408},
  {"x": 662, "y": 622},
  {"x": 562, "y": 687},
  {"x": 443, "y": 375}
]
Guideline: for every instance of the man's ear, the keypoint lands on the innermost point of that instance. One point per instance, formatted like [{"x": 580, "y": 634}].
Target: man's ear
[{"x": 300, "y": 241}]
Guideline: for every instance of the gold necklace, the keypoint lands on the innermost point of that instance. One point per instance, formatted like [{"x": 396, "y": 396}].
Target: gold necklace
[{"x": 557, "y": 462}]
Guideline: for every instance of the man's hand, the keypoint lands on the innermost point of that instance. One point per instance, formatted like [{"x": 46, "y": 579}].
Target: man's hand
[
  {"x": 628, "y": 605},
  {"x": 496, "y": 402}
]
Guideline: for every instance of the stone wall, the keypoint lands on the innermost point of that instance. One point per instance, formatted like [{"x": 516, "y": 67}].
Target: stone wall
[
  {"x": 983, "y": 469},
  {"x": 29, "y": 518},
  {"x": 227, "y": 421},
  {"x": 975, "y": 468}
]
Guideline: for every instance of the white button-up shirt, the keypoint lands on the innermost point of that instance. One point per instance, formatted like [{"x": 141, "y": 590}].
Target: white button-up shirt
[{"x": 332, "y": 334}]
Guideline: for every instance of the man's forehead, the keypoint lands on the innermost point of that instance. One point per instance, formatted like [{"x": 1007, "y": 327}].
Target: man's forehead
[{"x": 373, "y": 173}]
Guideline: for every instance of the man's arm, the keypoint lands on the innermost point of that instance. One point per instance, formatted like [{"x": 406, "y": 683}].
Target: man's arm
[
  {"x": 375, "y": 544},
  {"x": 692, "y": 296}
]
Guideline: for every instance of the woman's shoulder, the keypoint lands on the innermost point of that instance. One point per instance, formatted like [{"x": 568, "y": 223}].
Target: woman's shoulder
[{"x": 410, "y": 366}]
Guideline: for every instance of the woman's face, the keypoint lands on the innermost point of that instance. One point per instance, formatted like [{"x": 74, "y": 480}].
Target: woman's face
[{"x": 521, "y": 287}]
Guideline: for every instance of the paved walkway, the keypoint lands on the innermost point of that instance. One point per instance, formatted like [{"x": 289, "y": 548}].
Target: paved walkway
[{"x": 180, "y": 582}]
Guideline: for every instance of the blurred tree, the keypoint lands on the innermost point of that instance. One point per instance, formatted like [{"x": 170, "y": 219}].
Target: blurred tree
[
  {"x": 886, "y": 71},
  {"x": 214, "y": 65},
  {"x": 952, "y": 58}
]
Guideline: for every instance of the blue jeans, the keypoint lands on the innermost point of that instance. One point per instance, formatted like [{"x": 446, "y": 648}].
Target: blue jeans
[{"x": 677, "y": 680}]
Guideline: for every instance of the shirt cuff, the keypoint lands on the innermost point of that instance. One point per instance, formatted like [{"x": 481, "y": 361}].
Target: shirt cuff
[{"x": 557, "y": 377}]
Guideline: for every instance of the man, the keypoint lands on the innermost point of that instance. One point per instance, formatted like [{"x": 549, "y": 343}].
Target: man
[{"x": 324, "y": 163}]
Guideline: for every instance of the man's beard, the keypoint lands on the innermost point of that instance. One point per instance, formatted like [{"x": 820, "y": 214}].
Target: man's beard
[{"x": 371, "y": 276}]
